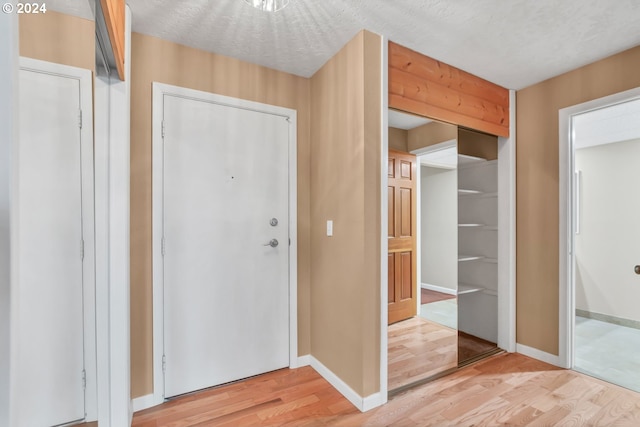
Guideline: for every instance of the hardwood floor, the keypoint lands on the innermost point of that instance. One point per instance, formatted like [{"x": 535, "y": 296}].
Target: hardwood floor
[
  {"x": 419, "y": 349},
  {"x": 508, "y": 389}
]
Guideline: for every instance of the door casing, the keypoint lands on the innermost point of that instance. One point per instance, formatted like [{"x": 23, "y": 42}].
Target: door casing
[{"x": 159, "y": 91}]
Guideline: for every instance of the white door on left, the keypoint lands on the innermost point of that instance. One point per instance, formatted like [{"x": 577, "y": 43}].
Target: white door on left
[{"x": 52, "y": 264}]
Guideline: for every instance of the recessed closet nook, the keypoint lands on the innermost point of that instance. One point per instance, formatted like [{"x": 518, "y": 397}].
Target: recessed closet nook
[{"x": 444, "y": 205}]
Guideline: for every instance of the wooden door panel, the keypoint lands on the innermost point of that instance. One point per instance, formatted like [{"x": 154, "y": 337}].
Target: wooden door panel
[
  {"x": 406, "y": 169},
  {"x": 402, "y": 281},
  {"x": 406, "y": 279},
  {"x": 392, "y": 278},
  {"x": 406, "y": 212},
  {"x": 392, "y": 212}
]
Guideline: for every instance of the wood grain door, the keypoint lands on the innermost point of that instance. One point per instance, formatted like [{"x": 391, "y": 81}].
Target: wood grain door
[{"x": 402, "y": 281}]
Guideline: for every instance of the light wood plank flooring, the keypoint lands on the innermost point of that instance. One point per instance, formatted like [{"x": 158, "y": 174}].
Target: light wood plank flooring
[
  {"x": 508, "y": 389},
  {"x": 419, "y": 349}
]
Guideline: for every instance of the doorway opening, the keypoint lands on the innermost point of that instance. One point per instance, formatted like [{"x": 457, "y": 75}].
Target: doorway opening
[
  {"x": 455, "y": 280},
  {"x": 601, "y": 258}
]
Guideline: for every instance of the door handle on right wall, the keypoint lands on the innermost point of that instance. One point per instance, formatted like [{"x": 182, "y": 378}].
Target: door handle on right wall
[{"x": 637, "y": 269}]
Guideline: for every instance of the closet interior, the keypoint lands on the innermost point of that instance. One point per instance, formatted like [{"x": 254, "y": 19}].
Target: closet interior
[{"x": 457, "y": 250}]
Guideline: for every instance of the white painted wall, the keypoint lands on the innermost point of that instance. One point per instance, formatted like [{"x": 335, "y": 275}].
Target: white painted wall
[
  {"x": 439, "y": 227},
  {"x": 8, "y": 150},
  {"x": 607, "y": 246}
]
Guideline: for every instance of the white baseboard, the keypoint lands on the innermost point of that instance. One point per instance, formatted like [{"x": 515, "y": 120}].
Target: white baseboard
[
  {"x": 538, "y": 354},
  {"x": 372, "y": 401},
  {"x": 438, "y": 288},
  {"x": 303, "y": 361},
  {"x": 362, "y": 403},
  {"x": 143, "y": 402}
]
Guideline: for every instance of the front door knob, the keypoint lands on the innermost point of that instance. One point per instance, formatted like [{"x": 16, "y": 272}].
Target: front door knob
[
  {"x": 273, "y": 243},
  {"x": 637, "y": 269}
]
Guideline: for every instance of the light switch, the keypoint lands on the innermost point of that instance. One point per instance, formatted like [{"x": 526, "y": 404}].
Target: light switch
[{"x": 329, "y": 228}]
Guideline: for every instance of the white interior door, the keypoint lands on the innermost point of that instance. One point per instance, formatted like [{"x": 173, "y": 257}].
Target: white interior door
[
  {"x": 226, "y": 291},
  {"x": 50, "y": 304}
]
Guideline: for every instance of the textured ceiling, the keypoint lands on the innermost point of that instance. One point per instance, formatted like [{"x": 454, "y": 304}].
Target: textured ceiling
[
  {"x": 514, "y": 43},
  {"x": 81, "y": 8}
]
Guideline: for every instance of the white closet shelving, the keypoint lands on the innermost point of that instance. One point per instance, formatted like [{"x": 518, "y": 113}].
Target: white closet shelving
[{"x": 478, "y": 247}]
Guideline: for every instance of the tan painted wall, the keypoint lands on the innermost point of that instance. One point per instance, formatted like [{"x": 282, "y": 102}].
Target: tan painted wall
[
  {"x": 59, "y": 38},
  {"x": 537, "y": 187},
  {"x": 345, "y": 184},
  {"x": 161, "y": 61},
  {"x": 430, "y": 134},
  {"x": 398, "y": 139}
]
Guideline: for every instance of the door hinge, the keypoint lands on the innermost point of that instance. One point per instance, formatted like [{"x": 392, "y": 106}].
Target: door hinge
[
  {"x": 84, "y": 379},
  {"x": 162, "y": 246},
  {"x": 80, "y": 119},
  {"x": 163, "y": 129},
  {"x": 164, "y": 363},
  {"x": 82, "y": 249}
]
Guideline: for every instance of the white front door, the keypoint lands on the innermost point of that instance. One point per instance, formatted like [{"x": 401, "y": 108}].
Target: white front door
[
  {"x": 55, "y": 233},
  {"x": 225, "y": 198}
]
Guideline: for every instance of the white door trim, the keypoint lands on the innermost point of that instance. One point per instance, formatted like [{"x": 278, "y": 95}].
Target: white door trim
[
  {"x": 384, "y": 223},
  {"x": 84, "y": 78},
  {"x": 159, "y": 90},
  {"x": 566, "y": 220},
  {"x": 9, "y": 126},
  {"x": 507, "y": 233}
]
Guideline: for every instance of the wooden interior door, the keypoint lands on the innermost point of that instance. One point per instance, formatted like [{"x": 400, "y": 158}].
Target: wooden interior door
[{"x": 402, "y": 280}]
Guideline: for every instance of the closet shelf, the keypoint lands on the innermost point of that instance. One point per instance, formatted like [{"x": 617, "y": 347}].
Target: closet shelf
[
  {"x": 468, "y": 289},
  {"x": 479, "y": 226},
  {"x": 477, "y": 193},
  {"x": 463, "y": 258},
  {"x": 464, "y": 289}
]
